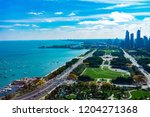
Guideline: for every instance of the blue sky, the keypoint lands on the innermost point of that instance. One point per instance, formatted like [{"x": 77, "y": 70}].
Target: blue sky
[{"x": 72, "y": 19}]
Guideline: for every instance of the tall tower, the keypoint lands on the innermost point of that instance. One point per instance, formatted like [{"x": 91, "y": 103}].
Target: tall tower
[
  {"x": 132, "y": 41},
  {"x": 138, "y": 39},
  {"x": 127, "y": 40}
]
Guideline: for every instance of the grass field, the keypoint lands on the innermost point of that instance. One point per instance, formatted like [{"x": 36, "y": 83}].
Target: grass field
[
  {"x": 109, "y": 51},
  {"x": 140, "y": 94},
  {"x": 102, "y": 73}
]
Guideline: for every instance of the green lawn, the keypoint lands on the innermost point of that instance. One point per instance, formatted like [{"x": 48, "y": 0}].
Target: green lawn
[
  {"x": 140, "y": 94},
  {"x": 109, "y": 51},
  {"x": 102, "y": 73}
]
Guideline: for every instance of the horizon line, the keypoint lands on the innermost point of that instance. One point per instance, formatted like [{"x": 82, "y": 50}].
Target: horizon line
[{"x": 59, "y": 39}]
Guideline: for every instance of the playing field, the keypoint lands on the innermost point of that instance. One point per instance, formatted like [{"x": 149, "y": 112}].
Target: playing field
[{"x": 103, "y": 73}]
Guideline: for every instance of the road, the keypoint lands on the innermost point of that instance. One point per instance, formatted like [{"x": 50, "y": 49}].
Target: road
[
  {"x": 53, "y": 83},
  {"x": 140, "y": 68}
]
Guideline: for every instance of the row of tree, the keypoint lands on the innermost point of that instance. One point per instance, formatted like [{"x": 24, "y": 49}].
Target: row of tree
[
  {"x": 61, "y": 69},
  {"x": 87, "y": 90}
]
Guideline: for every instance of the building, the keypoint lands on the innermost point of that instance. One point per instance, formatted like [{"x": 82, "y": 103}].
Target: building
[
  {"x": 132, "y": 44},
  {"x": 127, "y": 40},
  {"x": 145, "y": 42},
  {"x": 138, "y": 39},
  {"x": 137, "y": 43}
]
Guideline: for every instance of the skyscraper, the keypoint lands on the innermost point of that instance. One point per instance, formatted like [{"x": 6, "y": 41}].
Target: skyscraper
[
  {"x": 145, "y": 42},
  {"x": 127, "y": 40},
  {"x": 138, "y": 39},
  {"x": 132, "y": 41}
]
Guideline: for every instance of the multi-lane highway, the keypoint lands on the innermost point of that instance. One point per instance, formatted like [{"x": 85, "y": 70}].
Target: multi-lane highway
[
  {"x": 141, "y": 69},
  {"x": 53, "y": 83}
]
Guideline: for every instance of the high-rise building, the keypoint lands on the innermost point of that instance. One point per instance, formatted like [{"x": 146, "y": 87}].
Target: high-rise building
[
  {"x": 138, "y": 39},
  {"x": 132, "y": 45},
  {"x": 130, "y": 42},
  {"x": 127, "y": 40},
  {"x": 145, "y": 42}
]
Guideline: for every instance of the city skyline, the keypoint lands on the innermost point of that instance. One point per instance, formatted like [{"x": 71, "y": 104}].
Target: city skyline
[
  {"x": 138, "y": 42},
  {"x": 72, "y": 19}
]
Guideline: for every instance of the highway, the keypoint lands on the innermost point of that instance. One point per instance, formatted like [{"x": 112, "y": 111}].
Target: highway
[
  {"x": 140, "y": 68},
  {"x": 53, "y": 83}
]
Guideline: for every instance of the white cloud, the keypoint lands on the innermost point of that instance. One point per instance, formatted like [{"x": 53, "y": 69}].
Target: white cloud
[
  {"x": 140, "y": 14},
  {"x": 6, "y": 26},
  {"x": 104, "y": 26},
  {"x": 103, "y": 22},
  {"x": 116, "y": 1},
  {"x": 72, "y": 14},
  {"x": 144, "y": 25},
  {"x": 78, "y": 18},
  {"x": 83, "y": 31},
  {"x": 23, "y": 25},
  {"x": 121, "y": 17},
  {"x": 11, "y": 29},
  {"x": 88, "y": 22},
  {"x": 35, "y": 13},
  {"x": 18, "y": 25},
  {"x": 117, "y": 6},
  {"x": 147, "y": 19},
  {"x": 68, "y": 27},
  {"x": 34, "y": 25},
  {"x": 112, "y": 19},
  {"x": 58, "y": 13},
  {"x": 46, "y": 20}
]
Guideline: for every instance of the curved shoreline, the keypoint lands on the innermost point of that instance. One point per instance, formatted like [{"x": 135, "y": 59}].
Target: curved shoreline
[{"x": 4, "y": 92}]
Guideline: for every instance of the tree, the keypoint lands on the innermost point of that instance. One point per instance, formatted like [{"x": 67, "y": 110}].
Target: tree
[
  {"x": 40, "y": 82},
  {"x": 140, "y": 79},
  {"x": 72, "y": 76},
  {"x": 122, "y": 80},
  {"x": 85, "y": 78},
  {"x": 106, "y": 86},
  {"x": 93, "y": 61}
]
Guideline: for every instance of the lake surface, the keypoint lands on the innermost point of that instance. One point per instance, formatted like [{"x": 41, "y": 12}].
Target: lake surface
[{"x": 19, "y": 59}]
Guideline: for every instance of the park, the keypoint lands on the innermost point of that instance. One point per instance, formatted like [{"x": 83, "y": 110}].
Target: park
[{"x": 104, "y": 72}]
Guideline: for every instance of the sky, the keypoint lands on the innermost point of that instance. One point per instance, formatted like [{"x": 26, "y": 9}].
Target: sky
[{"x": 72, "y": 19}]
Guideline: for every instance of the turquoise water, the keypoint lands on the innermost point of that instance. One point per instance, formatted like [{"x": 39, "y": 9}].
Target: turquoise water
[{"x": 19, "y": 59}]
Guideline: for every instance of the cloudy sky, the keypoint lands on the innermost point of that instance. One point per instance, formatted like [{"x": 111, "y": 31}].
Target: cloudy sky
[{"x": 72, "y": 19}]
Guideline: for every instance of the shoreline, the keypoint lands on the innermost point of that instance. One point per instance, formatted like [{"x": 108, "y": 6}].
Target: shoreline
[
  {"x": 4, "y": 91},
  {"x": 62, "y": 65}
]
